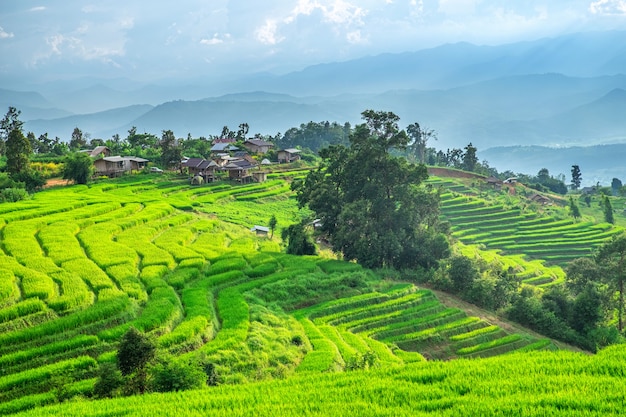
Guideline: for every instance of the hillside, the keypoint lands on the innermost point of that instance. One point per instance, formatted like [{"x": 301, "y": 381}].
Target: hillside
[{"x": 80, "y": 265}]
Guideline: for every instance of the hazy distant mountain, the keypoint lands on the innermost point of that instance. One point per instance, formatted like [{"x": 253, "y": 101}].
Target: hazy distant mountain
[
  {"x": 207, "y": 117},
  {"x": 564, "y": 90},
  {"x": 95, "y": 123}
]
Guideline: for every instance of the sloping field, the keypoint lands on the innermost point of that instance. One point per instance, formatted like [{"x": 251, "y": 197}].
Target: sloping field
[
  {"x": 515, "y": 229},
  {"x": 534, "y": 384},
  {"x": 80, "y": 265}
]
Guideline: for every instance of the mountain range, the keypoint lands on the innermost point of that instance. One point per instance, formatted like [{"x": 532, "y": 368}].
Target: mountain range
[{"x": 562, "y": 91}]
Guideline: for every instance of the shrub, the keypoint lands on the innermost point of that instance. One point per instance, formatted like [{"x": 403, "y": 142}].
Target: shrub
[
  {"x": 12, "y": 195},
  {"x": 171, "y": 374}
]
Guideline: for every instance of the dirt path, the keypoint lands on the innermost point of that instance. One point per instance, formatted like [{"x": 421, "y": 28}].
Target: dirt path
[
  {"x": 492, "y": 318},
  {"x": 54, "y": 182}
]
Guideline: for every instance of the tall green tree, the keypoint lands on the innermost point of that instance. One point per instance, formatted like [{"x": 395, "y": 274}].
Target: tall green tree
[
  {"x": 273, "y": 223},
  {"x": 171, "y": 153},
  {"x": 10, "y": 122},
  {"x": 470, "y": 160},
  {"x": 574, "y": 210},
  {"x": 370, "y": 203},
  {"x": 616, "y": 185},
  {"x": 77, "y": 141},
  {"x": 576, "y": 177},
  {"x": 18, "y": 152},
  {"x": 612, "y": 260},
  {"x": 608, "y": 210}
]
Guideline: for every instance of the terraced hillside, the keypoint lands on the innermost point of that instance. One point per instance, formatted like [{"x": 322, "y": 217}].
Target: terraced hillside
[
  {"x": 80, "y": 265},
  {"x": 513, "y": 228}
]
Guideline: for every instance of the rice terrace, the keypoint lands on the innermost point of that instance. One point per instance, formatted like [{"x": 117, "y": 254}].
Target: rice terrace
[{"x": 247, "y": 329}]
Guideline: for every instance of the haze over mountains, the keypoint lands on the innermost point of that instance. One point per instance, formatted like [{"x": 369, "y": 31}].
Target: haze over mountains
[{"x": 563, "y": 91}]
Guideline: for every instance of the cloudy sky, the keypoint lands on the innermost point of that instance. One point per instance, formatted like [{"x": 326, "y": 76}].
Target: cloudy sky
[{"x": 45, "y": 40}]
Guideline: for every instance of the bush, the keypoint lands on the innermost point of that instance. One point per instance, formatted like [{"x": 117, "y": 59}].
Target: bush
[
  {"x": 109, "y": 381},
  {"x": 11, "y": 195},
  {"x": 176, "y": 375}
]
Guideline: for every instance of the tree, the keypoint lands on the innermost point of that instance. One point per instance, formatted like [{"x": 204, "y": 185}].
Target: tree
[
  {"x": 576, "y": 177},
  {"x": 462, "y": 273},
  {"x": 78, "y": 167},
  {"x": 135, "y": 352},
  {"x": 273, "y": 223},
  {"x": 171, "y": 153},
  {"x": 574, "y": 209},
  {"x": 18, "y": 152},
  {"x": 370, "y": 203},
  {"x": 469, "y": 158},
  {"x": 616, "y": 185},
  {"x": 608, "y": 210},
  {"x": 10, "y": 122},
  {"x": 242, "y": 132},
  {"x": 77, "y": 141},
  {"x": 299, "y": 241},
  {"x": 612, "y": 260},
  {"x": 418, "y": 141}
]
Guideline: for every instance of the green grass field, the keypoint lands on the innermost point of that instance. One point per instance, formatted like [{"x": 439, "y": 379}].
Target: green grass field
[{"x": 79, "y": 265}]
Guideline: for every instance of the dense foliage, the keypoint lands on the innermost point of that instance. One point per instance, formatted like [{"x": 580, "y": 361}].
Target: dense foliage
[{"x": 370, "y": 203}]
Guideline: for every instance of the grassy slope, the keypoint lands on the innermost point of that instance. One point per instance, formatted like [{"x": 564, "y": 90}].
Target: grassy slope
[
  {"x": 528, "y": 384},
  {"x": 183, "y": 238}
]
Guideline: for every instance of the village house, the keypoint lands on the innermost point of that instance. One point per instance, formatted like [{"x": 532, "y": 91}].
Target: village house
[
  {"x": 289, "y": 155},
  {"x": 239, "y": 170},
  {"x": 258, "y": 146},
  {"x": 113, "y": 166}
]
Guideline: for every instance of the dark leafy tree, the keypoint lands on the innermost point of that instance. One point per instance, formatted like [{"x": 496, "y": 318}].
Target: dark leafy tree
[
  {"x": 370, "y": 203},
  {"x": 18, "y": 152},
  {"x": 611, "y": 259},
  {"x": 576, "y": 177},
  {"x": 587, "y": 310},
  {"x": 299, "y": 242},
  {"x": 135, "y": 352},
  {"x": 171, "y": 153},
  {"x": 242, "y": 132},
  {"x": 77, "y": 142},
  {"x": 462, "y": 273},
  {"x": 574, "y": 210},
  {"x": 608, "y": 210},
  {"x": 580, "y": 273},
  {"x": 78, "y": 167},
  {"x": 10, "y": 122},
  {"x": 616, "y": 185},
  {"x": 418, "y": 141},
  {"x": 470, "y": 160}
]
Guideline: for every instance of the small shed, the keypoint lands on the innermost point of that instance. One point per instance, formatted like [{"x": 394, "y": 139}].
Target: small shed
[
  {"x": 540, "y": 199},
  {"x": 260, "y": 230},
  {"x": 289, "y": 155},
  {"x": 494, "y": 182},
  {"x": 259, "y": 176}
]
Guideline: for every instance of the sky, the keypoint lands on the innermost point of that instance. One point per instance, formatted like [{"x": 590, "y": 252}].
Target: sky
[{"x": 42, "y": 41}]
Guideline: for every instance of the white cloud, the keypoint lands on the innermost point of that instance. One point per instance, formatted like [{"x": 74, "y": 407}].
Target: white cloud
[
  {"x": 608, "y": 7},
  {"x": 37, "y": 9},
  {"x": 4, "y": 34},
  {"x": 215, "y": 40},
  {"x": 267, "y": 33}
]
